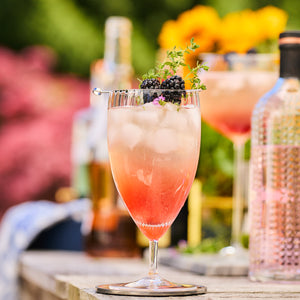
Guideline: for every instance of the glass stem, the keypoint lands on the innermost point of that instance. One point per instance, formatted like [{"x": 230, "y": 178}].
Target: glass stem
[
  {"x": 153, "y": 249},
  {"x": 238, "y": 199}
]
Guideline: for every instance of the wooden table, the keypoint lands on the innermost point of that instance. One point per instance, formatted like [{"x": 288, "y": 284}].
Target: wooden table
[{"x": 71, "y": 275}]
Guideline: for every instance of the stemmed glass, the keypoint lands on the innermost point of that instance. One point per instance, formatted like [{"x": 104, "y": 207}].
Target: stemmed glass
[
  {"x": 154, "y": 144},
  {"x": 235, "y": 82}
]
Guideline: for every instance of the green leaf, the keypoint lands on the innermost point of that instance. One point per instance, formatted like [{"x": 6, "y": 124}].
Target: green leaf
[{"x": 162, "y": 102}]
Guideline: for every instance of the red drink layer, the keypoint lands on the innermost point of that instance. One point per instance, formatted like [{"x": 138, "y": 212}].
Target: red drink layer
[{"x": 154, "y": 153}]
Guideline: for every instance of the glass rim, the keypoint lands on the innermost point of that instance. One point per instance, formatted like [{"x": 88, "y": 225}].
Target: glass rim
[
  {"x": 236, "y": 54},
  {"x": 154, "y": 90},
  {"x": 240, "y": 57},
  {"x": 239, "y": 62}
]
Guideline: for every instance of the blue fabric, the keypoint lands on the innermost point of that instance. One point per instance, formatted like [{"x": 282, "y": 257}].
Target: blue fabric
[{"x": 20, "y": 226}]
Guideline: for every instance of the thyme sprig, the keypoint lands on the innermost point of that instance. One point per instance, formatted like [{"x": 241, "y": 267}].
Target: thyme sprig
[{"x": 174, "y": 60}]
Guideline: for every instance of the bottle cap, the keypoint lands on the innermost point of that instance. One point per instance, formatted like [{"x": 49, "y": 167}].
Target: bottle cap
[
  {"x": 289, "y": 37},
  {"x": 289, "y": 45}
]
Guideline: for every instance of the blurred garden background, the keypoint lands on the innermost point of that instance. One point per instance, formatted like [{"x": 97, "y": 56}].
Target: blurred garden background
[{"x": 46, "y": 49}]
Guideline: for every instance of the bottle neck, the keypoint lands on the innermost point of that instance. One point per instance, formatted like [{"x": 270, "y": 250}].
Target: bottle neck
[
  {"x": 290, "y": 61},
  {"x": 117, "y": 50},
  {"x": 117, "y": 41},
  {"x": 115, "y": 70}
]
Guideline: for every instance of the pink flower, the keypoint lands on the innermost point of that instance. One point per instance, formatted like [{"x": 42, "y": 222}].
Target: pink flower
[
  {"x": 36, "y": 114},
  {"x": 157, "y": 100}
]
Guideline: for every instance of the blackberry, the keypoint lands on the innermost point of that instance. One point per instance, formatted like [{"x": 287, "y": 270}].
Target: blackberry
[
  {"x": 150, "y": 84},
  {"x": 173, "y": 83}
]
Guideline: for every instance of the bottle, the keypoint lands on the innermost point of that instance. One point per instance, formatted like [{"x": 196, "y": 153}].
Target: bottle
[
  {"x": 80, "y": 153},
  {"x": 274, "y": 190},
  {"x": 109, "y": 231}
]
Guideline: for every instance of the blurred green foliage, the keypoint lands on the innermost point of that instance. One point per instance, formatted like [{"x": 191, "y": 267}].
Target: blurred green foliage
[
  {"x": 216, "y": 162},
  {"x": 75, "y": 30},
  {"x": 208, "y": 245}
]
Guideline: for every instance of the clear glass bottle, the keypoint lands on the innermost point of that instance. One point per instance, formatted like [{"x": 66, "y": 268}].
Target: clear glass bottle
[
  {"x": 80, "y": 153},
  {"x": 109, "y": 230},
  {"x": 275, "y": 173}
]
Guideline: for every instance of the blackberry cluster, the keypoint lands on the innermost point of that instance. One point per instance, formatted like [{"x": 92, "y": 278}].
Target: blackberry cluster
[{"x": 172, "y": 83}]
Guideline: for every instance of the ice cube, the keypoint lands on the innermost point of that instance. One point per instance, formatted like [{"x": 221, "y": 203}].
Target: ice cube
[
  {"x": 163, "y": 140},
  {"x": 131, "y": 135},
  {"x": 222, "y": 81},
  {"x": 147, "y": 116},
  {"x": 170, "y": 106},
  {"x": 174, "y": 119},
  {"x": 148, "y": 106},
  {"x": 193, "y": 117},
  {"x": 261, "y": 79},
  {"x": 118, "y": 116}
]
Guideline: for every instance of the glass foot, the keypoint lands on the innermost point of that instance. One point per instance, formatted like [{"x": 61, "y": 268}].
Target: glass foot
[
  {"x": 235, "y": 250},
  {"x": 151, "y": 286}
]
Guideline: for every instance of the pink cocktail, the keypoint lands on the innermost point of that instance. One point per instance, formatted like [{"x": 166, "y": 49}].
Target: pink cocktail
[{"x": 154, "y": 144}]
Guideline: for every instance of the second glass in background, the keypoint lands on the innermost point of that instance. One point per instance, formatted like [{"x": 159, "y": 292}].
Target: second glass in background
[{"x": 235, "y": 82}]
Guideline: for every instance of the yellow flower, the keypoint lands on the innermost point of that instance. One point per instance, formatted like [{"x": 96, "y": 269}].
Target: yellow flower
[
  {"x": 168, "y": 37},
  {"x": 237, "y": 31},
  {"x": 200, "y": 22},
  {"x": 272, "y": 21},
  {"x": 240, "y": 32}
]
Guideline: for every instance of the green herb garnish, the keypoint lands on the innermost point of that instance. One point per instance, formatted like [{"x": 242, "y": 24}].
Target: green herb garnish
[{"x": 175, "y": 60}]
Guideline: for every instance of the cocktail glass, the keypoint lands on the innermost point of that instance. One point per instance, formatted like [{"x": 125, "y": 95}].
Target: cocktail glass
[
  {"x": 154, "y": 144},
  {"x": 235, "y": 82}
]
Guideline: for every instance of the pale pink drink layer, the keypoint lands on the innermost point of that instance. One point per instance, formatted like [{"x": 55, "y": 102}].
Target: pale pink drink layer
[
  {"x": 228, "y": 102},
  {"x": 154, "y": 153}
]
